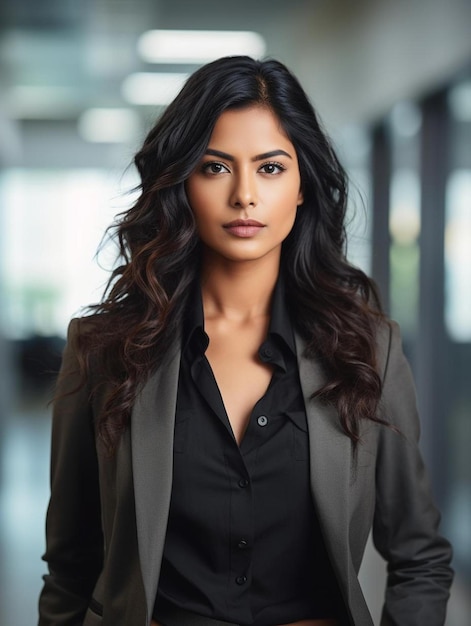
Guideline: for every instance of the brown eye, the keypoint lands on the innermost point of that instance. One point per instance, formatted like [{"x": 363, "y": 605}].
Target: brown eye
[
  {"x": 214, "y": 167},
  {"x": 272, "y": 168}
]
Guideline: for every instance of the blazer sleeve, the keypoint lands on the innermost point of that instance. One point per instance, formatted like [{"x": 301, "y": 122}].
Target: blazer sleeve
[
  {"x": 406, "y": 522},
  {"x": 74, "y": 540}
]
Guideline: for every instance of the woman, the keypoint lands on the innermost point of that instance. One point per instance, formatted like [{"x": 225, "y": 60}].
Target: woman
[{"x": 237, "y": 414}]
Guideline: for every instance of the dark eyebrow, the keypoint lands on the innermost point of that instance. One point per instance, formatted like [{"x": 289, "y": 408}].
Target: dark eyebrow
[
  {"x": 269, "y": 155},
  {"x": 258, "y": 157},
  {"x": 218, "y": 153}
]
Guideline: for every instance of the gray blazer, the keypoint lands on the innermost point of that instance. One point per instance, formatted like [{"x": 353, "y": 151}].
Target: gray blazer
[{"x": 119, "y": 506}]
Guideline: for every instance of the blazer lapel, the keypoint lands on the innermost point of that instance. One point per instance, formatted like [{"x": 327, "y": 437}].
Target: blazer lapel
[
  {"x": 330, "y": 467},
  {"x": 152, "y": 432}
]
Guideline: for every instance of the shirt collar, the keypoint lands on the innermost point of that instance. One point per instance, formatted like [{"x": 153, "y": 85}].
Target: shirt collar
[
  {"x": 193, "y": 323},
  {"x": 280, "y": 321}
]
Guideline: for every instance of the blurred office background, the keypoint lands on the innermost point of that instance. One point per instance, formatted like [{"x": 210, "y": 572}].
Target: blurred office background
[{"x": 79, "y": 87}]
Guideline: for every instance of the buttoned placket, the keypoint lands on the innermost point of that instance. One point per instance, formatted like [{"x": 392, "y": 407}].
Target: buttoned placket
[{"x": 241, "y": 462}]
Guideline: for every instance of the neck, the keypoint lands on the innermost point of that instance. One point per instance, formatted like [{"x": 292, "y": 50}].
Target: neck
[{"x": 238, "y": 291}]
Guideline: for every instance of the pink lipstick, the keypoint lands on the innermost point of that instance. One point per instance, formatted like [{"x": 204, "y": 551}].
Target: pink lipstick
[{"x": 244, "y": 228}]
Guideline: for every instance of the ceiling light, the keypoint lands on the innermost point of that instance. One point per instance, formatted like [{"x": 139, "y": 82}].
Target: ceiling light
[
  {"x": 42, "y": 102},
  {"x": 109, "y": 125},
  {"x": 198, "y": 46},
  {"x": 152, "y": 88}
]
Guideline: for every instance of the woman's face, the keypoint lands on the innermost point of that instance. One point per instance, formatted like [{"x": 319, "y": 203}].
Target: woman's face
[{"x": 245, "y": 191}]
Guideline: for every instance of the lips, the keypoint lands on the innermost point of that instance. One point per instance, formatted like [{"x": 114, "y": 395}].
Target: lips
[{"x": 244, "y": 228}]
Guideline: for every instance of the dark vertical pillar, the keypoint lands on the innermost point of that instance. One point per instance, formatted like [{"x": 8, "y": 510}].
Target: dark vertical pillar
[
  {"x": 432, "y": 342},
  {"x": 381, "y": 180}
]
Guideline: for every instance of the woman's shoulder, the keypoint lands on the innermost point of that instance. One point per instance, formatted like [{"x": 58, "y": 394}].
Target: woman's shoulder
[
  {"x": 84, "y": 325},
  {"x": 83, "y": 338}
]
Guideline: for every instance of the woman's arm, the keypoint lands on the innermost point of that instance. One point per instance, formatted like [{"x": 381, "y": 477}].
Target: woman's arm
[
  {"x": 74, "y": 550},
  {"x": 406, "y": 520}
]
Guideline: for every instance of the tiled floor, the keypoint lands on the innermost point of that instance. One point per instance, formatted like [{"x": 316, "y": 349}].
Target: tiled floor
[{"x": 24, "y": 490}]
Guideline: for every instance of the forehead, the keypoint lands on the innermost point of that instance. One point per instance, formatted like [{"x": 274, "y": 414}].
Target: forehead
[{"x": 255, "y": 128}]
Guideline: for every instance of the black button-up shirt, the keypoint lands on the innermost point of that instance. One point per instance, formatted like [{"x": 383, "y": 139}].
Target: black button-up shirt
[{"x": 243, "y": 543}]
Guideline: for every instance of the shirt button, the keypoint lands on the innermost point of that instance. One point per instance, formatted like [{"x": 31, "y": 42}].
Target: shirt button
[
  {"x": 262, "y": 420},
  {"x": 243, "y": 544},
  {"x": 241, "y": 580},
  {"x": 267, "y": 352},
  {"x": 243, "y": 483}
]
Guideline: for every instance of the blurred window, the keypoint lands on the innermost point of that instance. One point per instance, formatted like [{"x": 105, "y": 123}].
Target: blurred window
[
  {"x": 52, "y": 222},
  {"x": 404, "y": 217},
  {"x": 458, "y": 217},
  {"x": 458, "y": 256},
  {"x": 355, "y": 153},
  {"x": 457, "y": 310}
]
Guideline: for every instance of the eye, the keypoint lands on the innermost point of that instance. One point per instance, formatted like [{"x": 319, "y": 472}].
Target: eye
[
  {"x": 213, "y": 167},
  {"x": 272, "y": 168}
]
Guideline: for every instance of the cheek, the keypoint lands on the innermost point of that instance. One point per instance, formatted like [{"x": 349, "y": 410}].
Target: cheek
[
  {"x": 287, "y": 201},
  {"x": 290, "y": 219},
  {"x": 204, "y": 213},
  {"x": 203, "y": 224},
  {"x": 287, "y": 209},
  {"x": 198, "y": 201}
]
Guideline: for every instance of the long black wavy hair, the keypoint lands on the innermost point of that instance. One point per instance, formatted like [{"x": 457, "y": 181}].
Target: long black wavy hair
[{"x": 334, "y": 305}]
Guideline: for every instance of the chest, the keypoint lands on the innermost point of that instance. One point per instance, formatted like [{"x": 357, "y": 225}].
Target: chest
[
  {"x": 241, "y": 375},
  {"x": 248, "y": 504}
]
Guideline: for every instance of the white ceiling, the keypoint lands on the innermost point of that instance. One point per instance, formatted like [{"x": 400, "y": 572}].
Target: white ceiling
[{"x": 59, "y": 57}]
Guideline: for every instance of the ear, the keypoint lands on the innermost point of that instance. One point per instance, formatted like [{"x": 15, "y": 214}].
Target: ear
[{"x": 300, "y": 197}]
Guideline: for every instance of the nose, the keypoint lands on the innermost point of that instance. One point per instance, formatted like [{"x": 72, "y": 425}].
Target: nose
[{"x": 244, "y": 191}]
